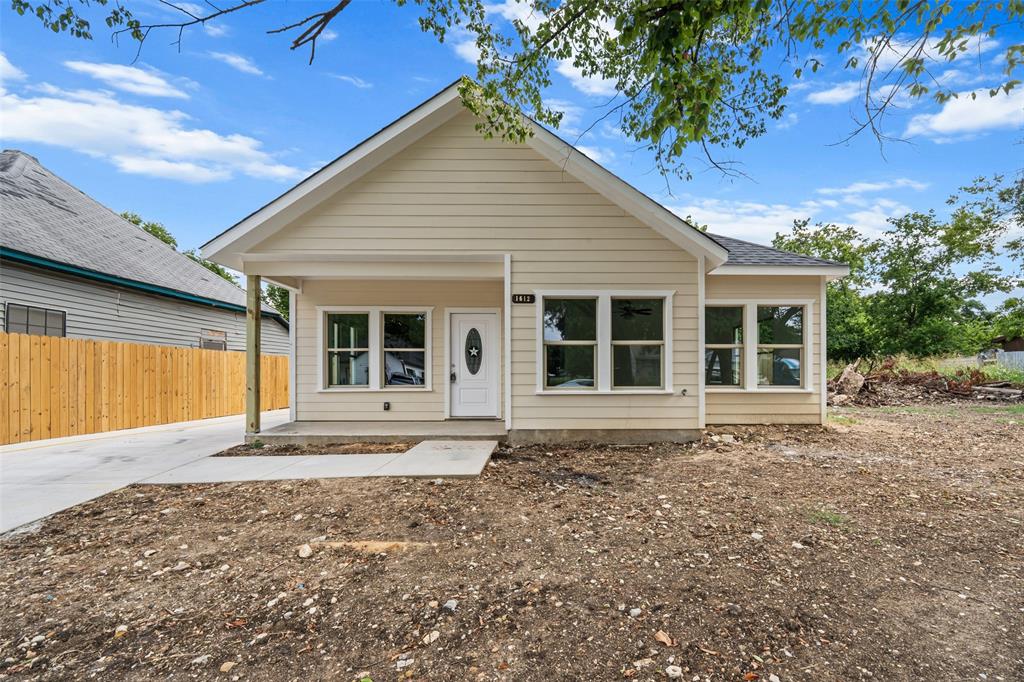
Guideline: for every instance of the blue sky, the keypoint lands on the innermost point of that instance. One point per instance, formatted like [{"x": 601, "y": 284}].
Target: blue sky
[{"x": 198, "y": 138}]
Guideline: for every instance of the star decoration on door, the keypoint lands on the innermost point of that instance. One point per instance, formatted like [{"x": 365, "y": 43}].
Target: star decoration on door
[
  {"x": 474, "y": 351},
  {"x": 473, "y": 355}
]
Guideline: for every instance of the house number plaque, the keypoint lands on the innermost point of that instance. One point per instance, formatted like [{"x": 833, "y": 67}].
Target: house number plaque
[{"x": 524, "y": 298}]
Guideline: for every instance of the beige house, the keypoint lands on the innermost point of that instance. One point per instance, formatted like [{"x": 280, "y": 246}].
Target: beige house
[{"x": 443, "y": 283}]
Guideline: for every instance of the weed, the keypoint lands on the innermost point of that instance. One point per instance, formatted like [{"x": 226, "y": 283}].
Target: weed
[{"x": 829, "y": 518}]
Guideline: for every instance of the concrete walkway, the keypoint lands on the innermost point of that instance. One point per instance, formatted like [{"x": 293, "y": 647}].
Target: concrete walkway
[
  {"x": 43, "y": 477},
  {"x": 430, "y": 459}
]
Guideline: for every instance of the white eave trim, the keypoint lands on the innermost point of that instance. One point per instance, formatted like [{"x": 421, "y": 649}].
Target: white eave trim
[{"x": 829, "y": 271}]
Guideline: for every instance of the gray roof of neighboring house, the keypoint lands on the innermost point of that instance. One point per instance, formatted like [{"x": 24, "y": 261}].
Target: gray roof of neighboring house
[
  {"x": 44, "y": 216},
  {"x": 748, "y": 253}
]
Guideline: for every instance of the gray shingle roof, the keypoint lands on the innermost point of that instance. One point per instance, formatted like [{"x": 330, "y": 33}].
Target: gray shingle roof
[
  {"x": 44, "y": 216},
  {"x": 748, "y": 253}
]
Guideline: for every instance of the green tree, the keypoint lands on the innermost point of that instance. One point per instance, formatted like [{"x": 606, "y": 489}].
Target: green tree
[
  {"x": 848, "y": 328},
  {"x": 708, "y": 73},
  {"x": 156, "y": 229},
  {"x": 215, "y": 268},
  {"x": 1009, "y": 319},
  {"x": 277, "y": 297}
]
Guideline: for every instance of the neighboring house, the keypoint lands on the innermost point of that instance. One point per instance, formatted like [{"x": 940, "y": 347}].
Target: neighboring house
[
  {"x": 437, "y": 275},
  {"x": 69, "y": 266},
  {"x": 1010, "y": 344}
]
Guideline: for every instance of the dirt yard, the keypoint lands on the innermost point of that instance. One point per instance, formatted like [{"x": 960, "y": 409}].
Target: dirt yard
[{"x": 888, "y": 546}]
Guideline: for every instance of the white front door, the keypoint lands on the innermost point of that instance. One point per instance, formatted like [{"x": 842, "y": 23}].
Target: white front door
[{"x": 474, "y": 365}]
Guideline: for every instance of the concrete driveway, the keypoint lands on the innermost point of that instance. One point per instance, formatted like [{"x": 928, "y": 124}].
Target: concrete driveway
[{"x": 43, "y": 477}]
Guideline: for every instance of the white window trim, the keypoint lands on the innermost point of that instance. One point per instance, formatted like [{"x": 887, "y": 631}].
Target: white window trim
[
  {"x": 750, "y": 344},
  {"x": 604, "y": 341},
  {"x": 376, "y": 349}
]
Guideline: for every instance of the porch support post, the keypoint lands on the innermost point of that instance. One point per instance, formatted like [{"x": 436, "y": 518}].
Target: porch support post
[{"x": 252, "y": 353}]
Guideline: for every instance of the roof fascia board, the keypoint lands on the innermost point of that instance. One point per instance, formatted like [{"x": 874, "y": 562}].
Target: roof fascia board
[
  {"x": 57, "y": 266},
  {"x": 783, "y": 270},
  {"x": 618, "y": 191},
  {"x": 348, "y": 168}
]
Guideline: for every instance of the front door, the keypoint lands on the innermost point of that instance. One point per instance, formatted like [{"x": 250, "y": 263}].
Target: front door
[{"x": 474, "y": 365}]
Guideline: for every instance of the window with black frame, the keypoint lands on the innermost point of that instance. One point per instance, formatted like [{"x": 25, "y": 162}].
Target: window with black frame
[
  {"x": 27, "y": 319},
  {"x": 348, "y": 349}
]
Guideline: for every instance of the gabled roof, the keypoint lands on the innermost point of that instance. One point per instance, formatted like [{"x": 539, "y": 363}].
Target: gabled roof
[
  {"x": 744, "y": 253},
  {"x": 229, "y": 246},
  {"x": 45, "y": 221}
]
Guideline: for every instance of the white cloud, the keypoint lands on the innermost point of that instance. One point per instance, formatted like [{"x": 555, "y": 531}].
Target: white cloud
[
  {"x": 515, "y": 10},
  {"x": 215, "y": 30},
  {"x": 602, "y": 155},
  {"x": 971, "y": 113},
  {"x": 137, "y": 139},
  {"x": 890, "y": 54},
  {"x": 861, "y": 187},
  {"x": 8, "y": 71},
  {"x": 788, "y": 121},
  {"x": 328, "y": 35},
  {"x": 129, "y": 79},
  {"x": 572, "y": 115},
  {"x": 759, "y": 222},
  {"x": 838, "y": 94},
  {"x": 354, "y": 80},
  {"x": 588, "y": 85},
  {"x": 467, "y": 49},
  {"x": 237, "y": 61}
]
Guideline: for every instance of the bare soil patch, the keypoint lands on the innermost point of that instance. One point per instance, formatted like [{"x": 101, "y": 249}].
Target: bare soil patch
[
  {"x": 261, "y": 450},
  {"x": 889, "y": 546}
]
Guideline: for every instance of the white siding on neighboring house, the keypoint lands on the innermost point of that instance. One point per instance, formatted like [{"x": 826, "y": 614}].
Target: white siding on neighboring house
[
  {"x": 104, "y": 311},
  {"x": 455, "y": 192}
]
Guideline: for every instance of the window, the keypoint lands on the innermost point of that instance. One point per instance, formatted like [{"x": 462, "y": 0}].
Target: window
[
  {"x": 348, "y": 349},
  {"x": 780, "y": 340},
  {"x": 638, "y": 335},
  {"x": 604, "y": 341},
  {"x": 211, "y": 339},
  {"x": 26, "y": 319},
  {"x": 405, "y": 349},
  {"x": 723, "y": 346},
  {"x": 375, "y": 348},
  {"x": 570, "y": 342}
]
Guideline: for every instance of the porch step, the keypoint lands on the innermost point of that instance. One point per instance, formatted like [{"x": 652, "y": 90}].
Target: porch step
[{"x": 326, "y": 433}]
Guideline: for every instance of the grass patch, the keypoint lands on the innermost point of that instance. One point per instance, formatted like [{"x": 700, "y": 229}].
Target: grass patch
[
  {"x": 829, "y": 518},
  {"x": 999, "y": 409},
  {"x": 945, "y": 366},
  {"x": 842, "y": 419}
]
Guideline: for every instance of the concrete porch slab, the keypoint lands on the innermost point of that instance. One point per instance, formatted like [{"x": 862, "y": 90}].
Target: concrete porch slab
[
  {"x": 329, "y": 432},
  {"x": 429, "y": 459}
]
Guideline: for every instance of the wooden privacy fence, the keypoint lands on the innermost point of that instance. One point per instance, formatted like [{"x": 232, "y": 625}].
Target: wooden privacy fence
[{"x": 52, "y": 386}]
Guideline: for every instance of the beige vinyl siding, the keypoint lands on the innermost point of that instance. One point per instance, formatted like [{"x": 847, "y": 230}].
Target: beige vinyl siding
[
  {"x": 406, "y": 404},
  {"x": 769, "y": 407},
  {"x": 454, "y": 192}
]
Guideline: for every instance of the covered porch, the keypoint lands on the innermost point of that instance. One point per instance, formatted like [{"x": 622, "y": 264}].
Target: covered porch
[{"x": 387, "y": 349}]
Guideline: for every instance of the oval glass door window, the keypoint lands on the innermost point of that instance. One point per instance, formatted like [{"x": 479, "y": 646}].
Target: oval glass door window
[{"x": 474, "y": 351}]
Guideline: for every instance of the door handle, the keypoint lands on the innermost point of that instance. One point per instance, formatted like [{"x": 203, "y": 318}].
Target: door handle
[{"x": 452, "y": 377}]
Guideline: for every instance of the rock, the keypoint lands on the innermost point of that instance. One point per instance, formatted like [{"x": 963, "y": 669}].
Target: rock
[
  {"x": 451, "y": 605},
  {"x": 727, "y": 438},
  {"x": 201, "y": 660},
  {"x": 149, "y": 552},
  {"x": 431, "y": 637},
  {"x": 756, "y": 537},
  {"x": 850, "y": 381},
  {"x": 120, "y": 631},
  {"x": 797, "y": 545},
  {"x": 635, "y": 612},
  {"x": 734, "y": 609},
  {"x": 774, "y": 678},
  {"x": 403, "y": 663},
  {"x": 840, "y": 399},
  {"x": 297, "y": 517},
  {"x": 305, "y": 551},
  {"x": 674, "y": 672},
  {"x": 180, "y": 566},
  {"x": 227, "y": 666}
]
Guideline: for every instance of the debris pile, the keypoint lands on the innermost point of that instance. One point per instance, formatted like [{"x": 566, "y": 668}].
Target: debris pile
[{"x": 890, "y": 384}]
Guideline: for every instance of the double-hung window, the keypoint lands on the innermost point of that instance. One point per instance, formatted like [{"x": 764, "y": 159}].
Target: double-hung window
[
  {"x": 780, "y": 341},
  {"x": 723, "y": 346},
  {"x": 375, "y": 348},
  {"x": 638, "y": 340},
  {"x": 570, "y": 343},
  {"x": 604, "y": 341}
]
